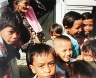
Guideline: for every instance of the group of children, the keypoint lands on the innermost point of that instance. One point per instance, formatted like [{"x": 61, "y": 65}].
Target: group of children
[
  {"x": 19, "y": 28},
  {"x": 57, "y": 58},
  {"x": 75, "y": 52}
]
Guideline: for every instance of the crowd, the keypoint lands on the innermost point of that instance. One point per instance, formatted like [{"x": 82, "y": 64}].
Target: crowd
[{"x": 70, "y": 53}]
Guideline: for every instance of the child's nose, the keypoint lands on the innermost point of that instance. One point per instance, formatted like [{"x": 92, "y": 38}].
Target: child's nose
[
  {"x": 87, "y": 27},
  {"x": 47, "y": 69},
  {"x": 16, "y": 35},
  {"x": 68, "y": 52}
]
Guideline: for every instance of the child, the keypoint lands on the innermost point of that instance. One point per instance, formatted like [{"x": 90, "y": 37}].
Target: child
[
  {"x": 54, "y": 30},
  {"x": 9, "y": 34},
  {"x": 72, "y": 23},
  {"x": 87, "y": 27},
  {"x": 29, "y": 20},
  {"x": 80, "y": 69},
  {"x": 41, "y": 59},
  {"x": 89, "y": 52},
  {"x": 63, "y": 49}
]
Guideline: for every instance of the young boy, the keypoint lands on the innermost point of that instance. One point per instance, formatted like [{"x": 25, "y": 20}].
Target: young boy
[
  {"x": 41, "y": 59},
  {"x": 87, "y": 27},
  {"x": 72, "y": 23},
  {"x": 54, "y": 31},
  {"x": 63, "y": 49},
  {"x": 9, "y": 34},
  {"x": 81, "y": 69},
  {"x": 89, "y": 52}
]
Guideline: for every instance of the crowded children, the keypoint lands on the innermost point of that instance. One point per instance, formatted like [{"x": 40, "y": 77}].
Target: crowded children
[
  {"x": 41, "y": 59},
  {"x": 9, "y": 34},
  {"x": 89, "y": 52},
  {"x": 29, "y": 20},
  {"x": 87, "y": 27},
  {"x": 63, "y": 49},
  {"x": 72, "y": 23},
  {"x": 80, "y": 69},
  {"x": 54, "y": 31}
]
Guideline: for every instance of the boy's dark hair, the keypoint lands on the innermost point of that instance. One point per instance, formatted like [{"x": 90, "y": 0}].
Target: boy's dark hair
[
  {"x": 70, "y": 17},
  {"x": 90, "y": 45},
  {"x": 58, "y": 29},
  {"x": 87, "y": 15},
  {"x": 63, "y": 37},
  {"x": 80, "y": 69},
  {"x": 9, "y": 19},
  {"x": 38, "y": 49}
]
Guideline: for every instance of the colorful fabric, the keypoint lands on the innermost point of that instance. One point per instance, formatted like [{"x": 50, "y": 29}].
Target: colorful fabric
[
  {"x": 3, "y": 52},
  {"x": 31, "y": 18}
]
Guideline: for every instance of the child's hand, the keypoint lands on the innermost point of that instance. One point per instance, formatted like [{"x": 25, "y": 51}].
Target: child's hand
[{"x": 80, "y": 57}]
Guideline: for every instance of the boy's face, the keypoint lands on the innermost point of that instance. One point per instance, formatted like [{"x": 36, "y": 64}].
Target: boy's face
[
  {"x": 88, "y": 56},
  {"x": 87, "y": 26},
  {"x": 54, "y": 36},
  {"x": 63, "y": 49},
  {"x": 22, "y": 6},
  {"x": 44, "y": 65},
  {"x": 76, "y": 28},
  {"x": 9, "y": 35}
]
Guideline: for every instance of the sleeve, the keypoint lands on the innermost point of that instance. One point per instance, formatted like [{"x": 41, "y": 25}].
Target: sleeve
[{"x": 2, "y": 51}]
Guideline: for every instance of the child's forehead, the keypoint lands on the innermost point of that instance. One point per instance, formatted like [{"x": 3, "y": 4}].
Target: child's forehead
[
  {"x": 43, "y": 56},
  {"x": 10, "y": 28},
  {"x": 77, "y": 23}
]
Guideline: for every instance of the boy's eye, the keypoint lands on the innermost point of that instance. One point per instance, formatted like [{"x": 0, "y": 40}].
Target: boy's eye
[
  {"x": 26, "y": 3},
  {"x": 70, "y": 49},
  {"x": 11, "y": 32},
  {"x": 18, "y": 32},
  {"x": 84, "y": 25},
  {"x": 41, "y": 66},
  {"x": 52, "y": 63},
  {"x": 64, "y": 51},
  {"x": 78, "y": 27},
  {"x": 87, "y": 24}
]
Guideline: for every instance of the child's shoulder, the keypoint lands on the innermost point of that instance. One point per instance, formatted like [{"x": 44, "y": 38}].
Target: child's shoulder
[
  {"x": 35, "y": 76},
  {"x": 71, "y": 38},
  {"x": 60, "y": 71},
  {"x": 50, "y": 42},
  {"x": 93, "y": 63},
  {"x": 3, "y": 52}
]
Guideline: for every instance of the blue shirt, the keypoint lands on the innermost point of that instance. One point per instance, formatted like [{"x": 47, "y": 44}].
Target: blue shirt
[{"x": 75, "y": 45}]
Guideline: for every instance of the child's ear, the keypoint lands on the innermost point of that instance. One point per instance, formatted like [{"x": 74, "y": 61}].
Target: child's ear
[
  {"x": 32, "y": 68},
  {"x": 66, "y": 28},
  {"x": 15, "y": 3}
]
